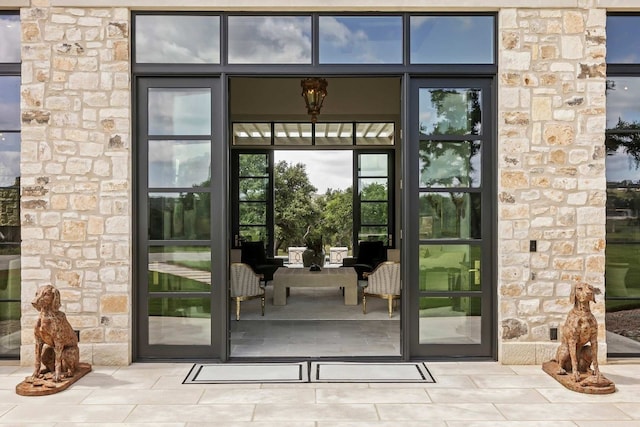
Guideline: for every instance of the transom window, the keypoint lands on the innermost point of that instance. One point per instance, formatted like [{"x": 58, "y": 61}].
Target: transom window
[{"x": 312, "y": 39}]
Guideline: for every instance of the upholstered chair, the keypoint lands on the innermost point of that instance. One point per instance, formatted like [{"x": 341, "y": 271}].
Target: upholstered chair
[
  {"x": 383, "y": 282},
  {"x": 254, "y": 254},
  {"x": 245, "y": 285},
  {"x": 370, "y": 254}
]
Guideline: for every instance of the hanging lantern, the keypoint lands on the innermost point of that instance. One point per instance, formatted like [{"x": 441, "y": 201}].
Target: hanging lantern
[{"x": 314, "y": 90}]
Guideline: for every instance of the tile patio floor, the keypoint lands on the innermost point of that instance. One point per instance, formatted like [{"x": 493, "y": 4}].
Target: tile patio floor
[{"x": 467, "y": 394}]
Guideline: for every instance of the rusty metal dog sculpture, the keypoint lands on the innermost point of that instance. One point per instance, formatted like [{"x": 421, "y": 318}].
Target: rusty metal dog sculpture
[
  {"x": 578, "y": 351},
  {"x": 56, "y": 341},
  {"x": 579, "y": 348}
]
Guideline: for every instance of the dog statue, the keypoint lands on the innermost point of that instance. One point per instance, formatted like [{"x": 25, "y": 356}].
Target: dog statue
[
  {"x": 579, "y": 348},
  {"x": 56, "y": 341},
  {"x": 578, "y": 351}
]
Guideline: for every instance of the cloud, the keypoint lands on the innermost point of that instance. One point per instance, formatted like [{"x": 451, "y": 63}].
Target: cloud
[
  {"x": 622, "y": 101},
  {"x": 9, "y": 102},
  {"x": 177, "y": 39},
  {"x": 621, "y": 167},
  {"x": 9, "y": 168},
  {"x": 325, "y": 168},
  {"x": 283, "y": 40},
  {"x": 10, "y": 36},
  {"x": 367, "y": 40}
]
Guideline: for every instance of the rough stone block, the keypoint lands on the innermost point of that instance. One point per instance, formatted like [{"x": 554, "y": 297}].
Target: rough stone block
[{"x": 518, "y": 353}]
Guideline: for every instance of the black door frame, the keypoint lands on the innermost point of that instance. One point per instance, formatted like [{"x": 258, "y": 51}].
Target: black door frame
[
  {"x": 410, "y": 222},
  {"x": 218, "y": 233},
  {"x": 220, "y": 230}
]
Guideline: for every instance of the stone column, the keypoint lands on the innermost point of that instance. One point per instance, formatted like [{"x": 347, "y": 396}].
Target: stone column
[
  {"x": 552, "y": 186},
  {"x": 75, "y": 173}
]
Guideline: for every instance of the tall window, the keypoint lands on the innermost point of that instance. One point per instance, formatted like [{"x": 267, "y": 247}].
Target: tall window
[
  {"x": 622, "y": 274},
  {"x": 9, "y": 185}
]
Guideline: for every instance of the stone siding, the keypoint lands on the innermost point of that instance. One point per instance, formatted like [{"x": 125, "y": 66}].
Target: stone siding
[
  {"x": 75, "y": 173},
  {"x": 551, "y": 173}
]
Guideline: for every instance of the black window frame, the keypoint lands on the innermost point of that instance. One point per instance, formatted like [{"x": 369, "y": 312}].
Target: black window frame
[
  {"x": 615, "y": 70},
  {"x": 405, "y": 72},
  {"x": 315, "y": 67},
  {"x": 11, "y": 69}
]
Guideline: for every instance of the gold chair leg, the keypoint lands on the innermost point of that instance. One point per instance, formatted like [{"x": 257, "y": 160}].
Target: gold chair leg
[
  {"x": 262, "y": 304},
  {"x": 237, "y": 309},
  {"x": 390, "y": 299},
  {"x": 364, "y": 304}
]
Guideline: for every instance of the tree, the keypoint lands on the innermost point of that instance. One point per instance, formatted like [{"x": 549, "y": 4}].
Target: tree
[
  {"x": 627, "y": 136},
  {"x": 449, "y": 163},
  {"x": 337, "y": 216},
  {"x": 374, "y": 207},
  {"x": 295, "y": 208}
]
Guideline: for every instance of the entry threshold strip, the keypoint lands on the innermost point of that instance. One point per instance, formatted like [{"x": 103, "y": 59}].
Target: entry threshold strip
[{"x": 309, "y": 372}]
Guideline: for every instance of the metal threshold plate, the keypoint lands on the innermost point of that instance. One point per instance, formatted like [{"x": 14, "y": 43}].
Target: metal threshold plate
[{"x": 304, "y": 372}]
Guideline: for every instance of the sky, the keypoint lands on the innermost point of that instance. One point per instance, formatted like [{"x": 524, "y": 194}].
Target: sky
[
  {"x": 622, "y": 103},
  {"x": 325, "y": 168},
  {"x": 10, "y": 36},
  {"x": 288, "y": 39}
]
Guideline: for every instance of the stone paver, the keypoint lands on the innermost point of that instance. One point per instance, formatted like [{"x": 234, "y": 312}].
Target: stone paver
[{"x": 474, "y": 394}]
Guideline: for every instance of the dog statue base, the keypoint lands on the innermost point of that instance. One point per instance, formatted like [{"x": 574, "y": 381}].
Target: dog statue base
[
  {"x": 589, "y": 383},
  {"x": 46, "y": 385}
]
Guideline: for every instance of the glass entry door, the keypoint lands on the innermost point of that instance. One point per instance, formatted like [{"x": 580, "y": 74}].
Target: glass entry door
[
  {"x": 181, "y": 175},
  {"x": 449, "y": 230}
]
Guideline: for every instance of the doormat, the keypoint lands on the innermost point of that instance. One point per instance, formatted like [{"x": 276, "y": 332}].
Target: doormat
[
  {"x": 305, "y": 372},
  {"x": 346, "y": 372},
  {"x": 239, "y": 373}
]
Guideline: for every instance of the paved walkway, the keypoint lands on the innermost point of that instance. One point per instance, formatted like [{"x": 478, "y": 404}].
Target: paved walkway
[{"x": 467, "y": 394}]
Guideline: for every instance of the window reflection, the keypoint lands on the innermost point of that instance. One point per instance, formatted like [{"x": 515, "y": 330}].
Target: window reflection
[
  {"x": 179, "y": 111},
  {"x": 449, "y": 268},
  {"x": 360, "y": 39},
  {"x": 9, "y": 102},
  {"x": 450, "y": 164},
  {"x": 179, "y": 216},
  {"x": 269, "y": 39},
  {"x": 623, "y": 130},
  {"x": 182, "y": 39},
  {"x": 452, "y": 39},
  {"x": 450, "y": 215},
  {"x": 373, "y": 165},
  {"x": 450, "y": 111},
  {"x": 9, "y": 159},
  {"x": 180, "y": 321},
  {"x": 623, "y": 39},
  {"x": 179, "y": 269},
  {"x": 622, "y": 103},
  {"x": 10, "y": 36},
  {"x": 179, "y": 163},
  {"x": 450, "y": 320}
]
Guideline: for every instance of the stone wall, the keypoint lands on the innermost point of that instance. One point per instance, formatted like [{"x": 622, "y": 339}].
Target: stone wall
[
  {"x": 75, "y": 173},
  {"x": 76, "y": 178},
  {"x": 552, "y": 186}
]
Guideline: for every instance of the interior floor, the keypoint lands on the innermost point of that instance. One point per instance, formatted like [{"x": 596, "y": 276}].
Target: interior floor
[
  {"x": 315, "y": 338},
  {"x": 315, "y": 323}
]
